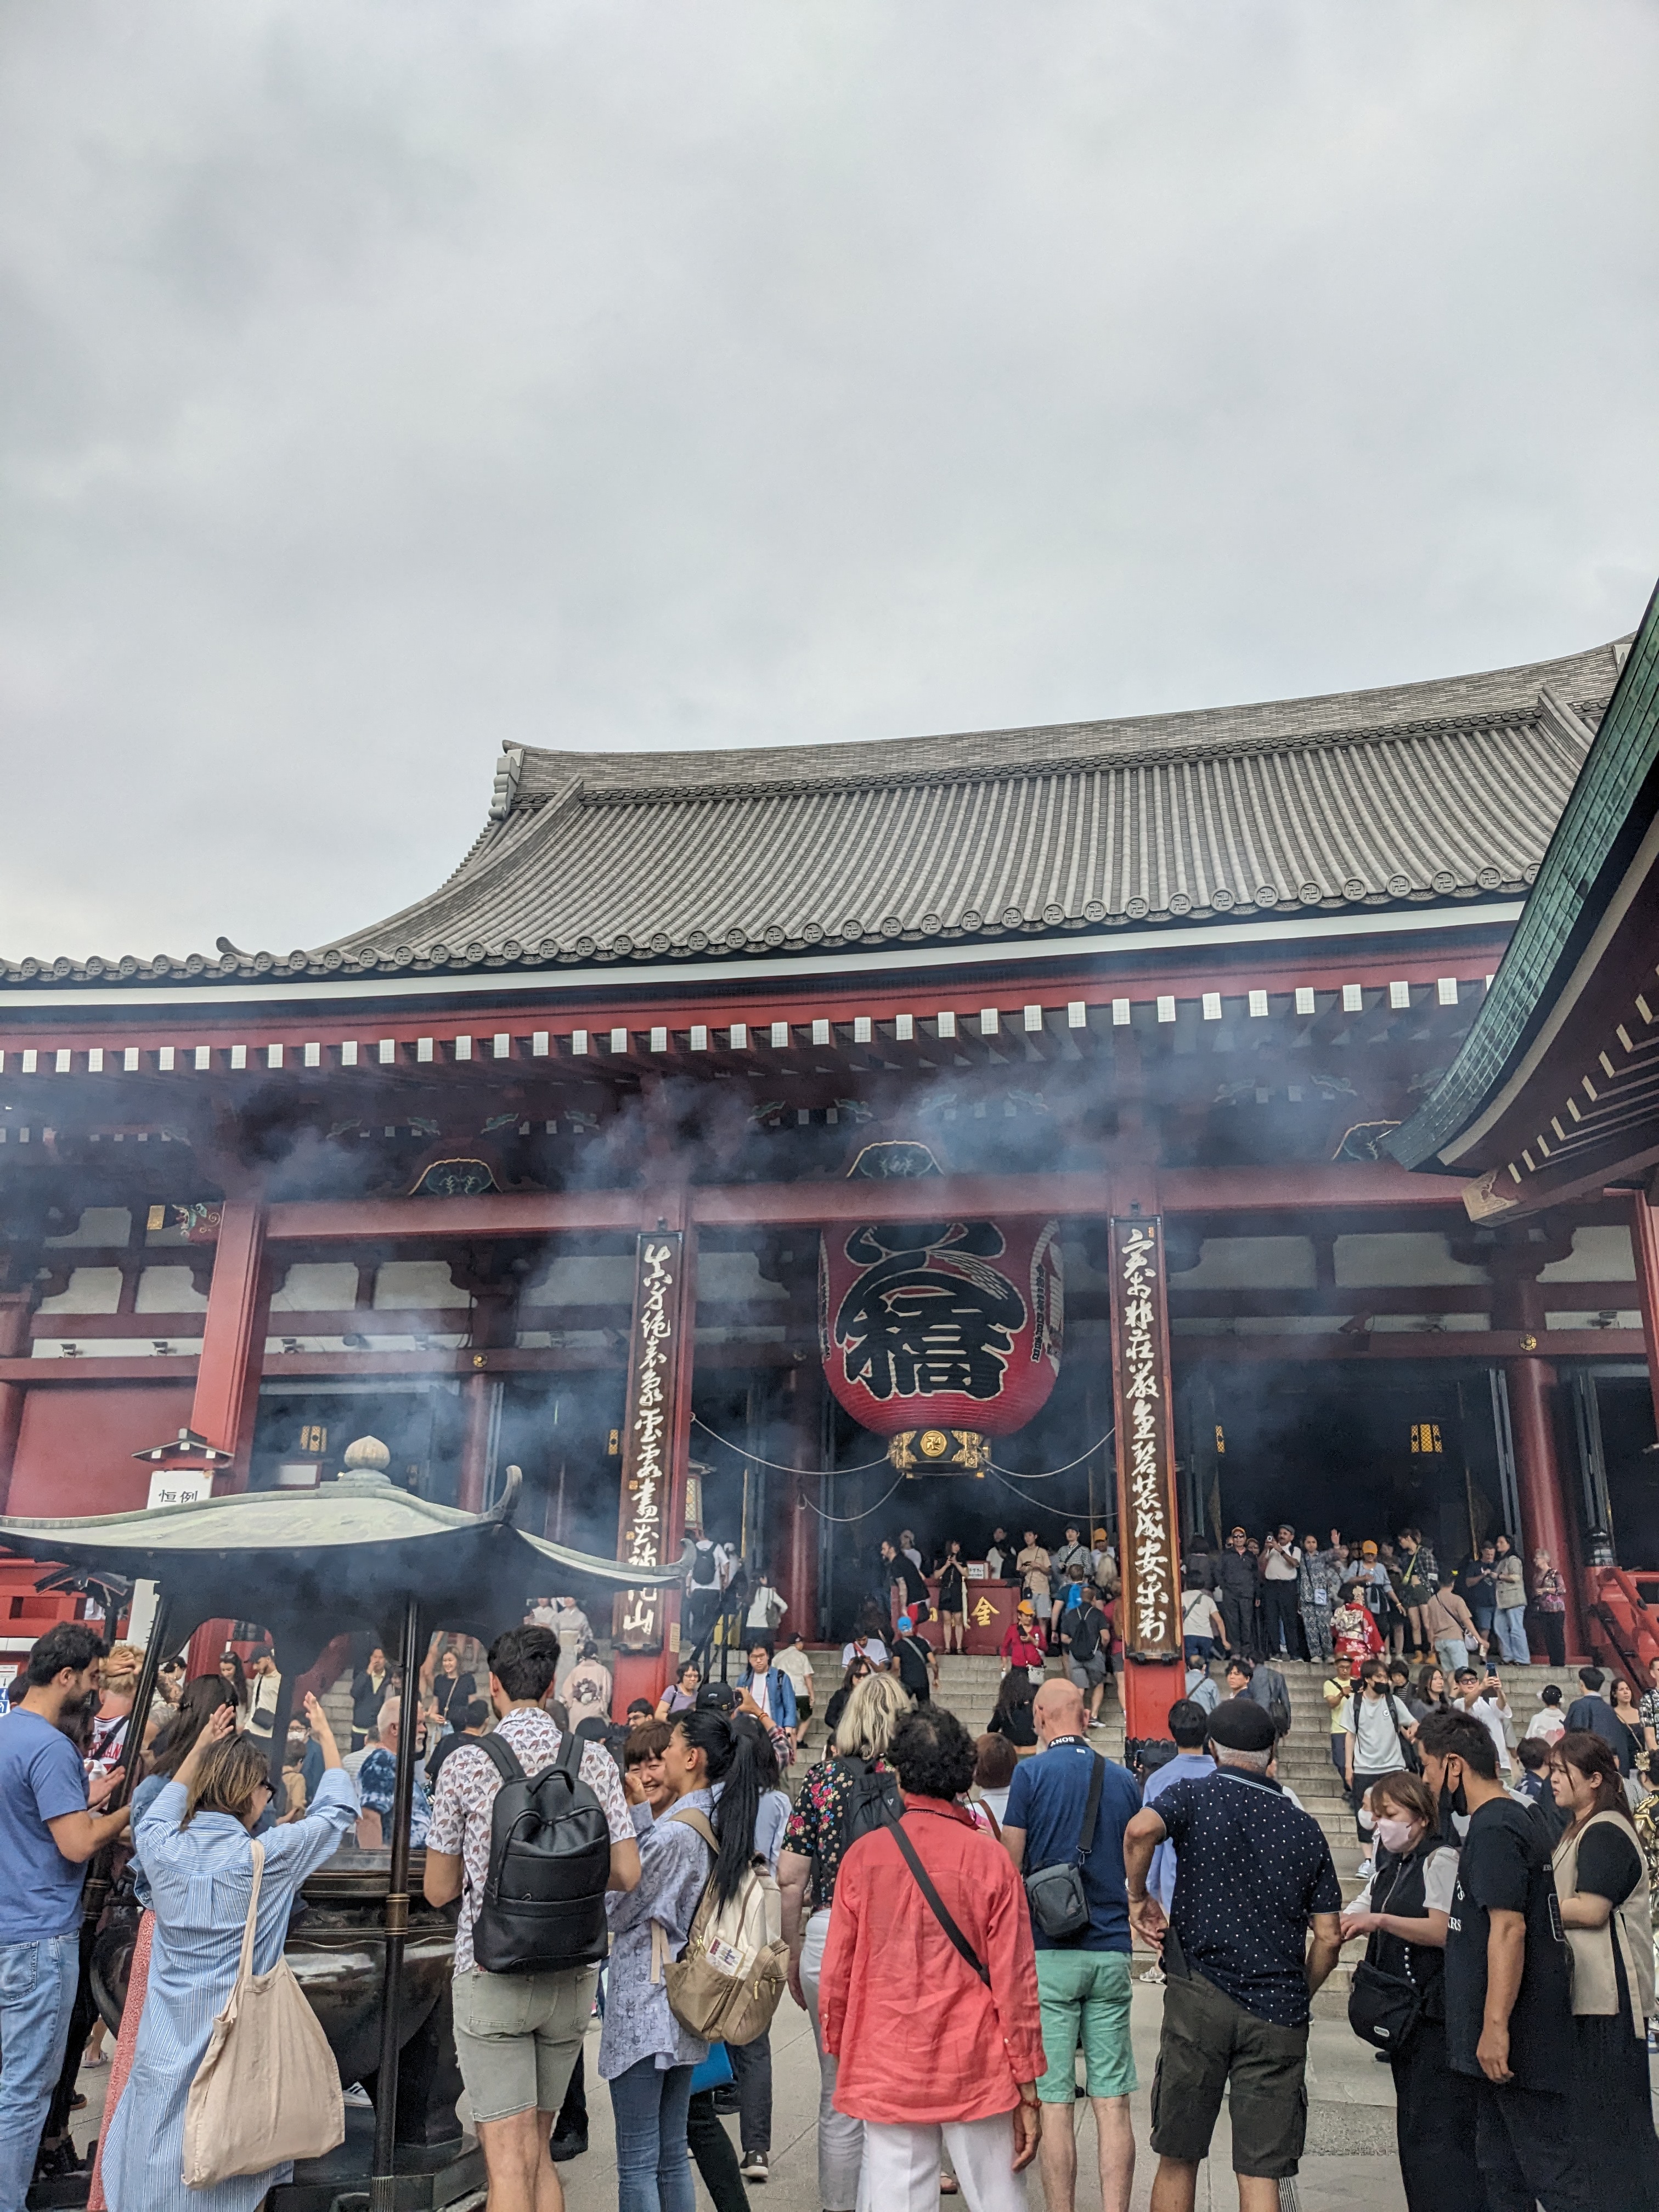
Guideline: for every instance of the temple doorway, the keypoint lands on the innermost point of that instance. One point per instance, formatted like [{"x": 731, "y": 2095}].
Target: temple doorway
[{"x": 1324, "y": 1448}]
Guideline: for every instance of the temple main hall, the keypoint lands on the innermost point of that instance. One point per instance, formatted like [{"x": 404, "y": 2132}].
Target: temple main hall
[{"x": 1005, "y": 1129}]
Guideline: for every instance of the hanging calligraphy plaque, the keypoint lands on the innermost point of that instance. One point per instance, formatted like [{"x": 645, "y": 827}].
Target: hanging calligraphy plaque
[
  {"x": 654, "y": 1362},
  {"x": 1148, "y": 1527}
]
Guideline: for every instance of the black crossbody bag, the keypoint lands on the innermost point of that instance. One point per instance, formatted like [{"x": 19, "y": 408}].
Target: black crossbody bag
[
  {"x": 1384, "y": 2008},
  {"x": 936, "y": 1903},
  {"x": 1060, "y": 1903}
]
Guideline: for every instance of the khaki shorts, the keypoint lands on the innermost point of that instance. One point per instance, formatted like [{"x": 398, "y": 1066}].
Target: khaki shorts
[
  {"x": 1210, "y": 2045},
  {"x": 517, "y": 2037}
]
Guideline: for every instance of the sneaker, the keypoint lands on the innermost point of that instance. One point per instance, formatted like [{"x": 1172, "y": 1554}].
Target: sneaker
[
  {"x": 1154, "y": 1974},
  {"x": 357, "y": 2095},
  {"x": 1363, "y": 1870},
  {"x": 753, "y": 2167},
  {"x": 726, "y": 2099},
  {"x": 561, "y": 2149}
]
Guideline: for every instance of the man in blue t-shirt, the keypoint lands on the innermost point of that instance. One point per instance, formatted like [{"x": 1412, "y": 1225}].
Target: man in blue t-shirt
[
  {"x": 1189, "y": 1727},
  {"x": 377, "y": 1785},
  {"x": 1083, "y": 1981},
  {"x": 47, "y": 1836}
]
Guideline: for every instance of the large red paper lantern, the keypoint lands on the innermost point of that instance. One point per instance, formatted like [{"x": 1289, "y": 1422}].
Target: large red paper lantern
[{"x": 941, "y": 1335}]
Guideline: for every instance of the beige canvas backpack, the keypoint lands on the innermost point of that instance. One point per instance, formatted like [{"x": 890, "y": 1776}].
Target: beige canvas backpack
[{"x": 727, "y": 1983}]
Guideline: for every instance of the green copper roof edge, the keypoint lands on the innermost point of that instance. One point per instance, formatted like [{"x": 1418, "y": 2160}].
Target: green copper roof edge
[{"x": 1619, "y": 762}]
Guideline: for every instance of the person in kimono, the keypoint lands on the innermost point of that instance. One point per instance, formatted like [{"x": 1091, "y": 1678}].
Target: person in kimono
[{"x": 194, "y": 1842}]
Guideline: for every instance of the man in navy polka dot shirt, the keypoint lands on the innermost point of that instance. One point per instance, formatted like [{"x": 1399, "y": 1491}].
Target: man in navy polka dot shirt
[{"x": 1253, "y": 1875}]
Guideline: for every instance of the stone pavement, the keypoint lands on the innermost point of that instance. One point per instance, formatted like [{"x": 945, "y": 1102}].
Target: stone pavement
[{"x": 1350, "y": 2165}]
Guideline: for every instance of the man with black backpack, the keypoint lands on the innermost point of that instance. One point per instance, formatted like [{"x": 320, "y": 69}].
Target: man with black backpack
[
  {"x": 1084, "y": 1646},
  {"x": 529, "y": 1830},
  {"x": 1063, "y": 1829}
]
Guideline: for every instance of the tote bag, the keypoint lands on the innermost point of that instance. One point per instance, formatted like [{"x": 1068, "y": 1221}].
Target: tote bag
[{"x": 267, "y": 2089}]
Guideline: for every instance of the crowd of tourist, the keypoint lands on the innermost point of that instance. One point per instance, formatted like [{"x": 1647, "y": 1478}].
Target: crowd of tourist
[
  {"x": 1306, "y": 1599},
  {"x": 972, "y": 1905}
]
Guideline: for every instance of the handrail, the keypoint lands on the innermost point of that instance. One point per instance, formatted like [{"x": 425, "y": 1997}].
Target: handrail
[{"x": 1610, "y": 1620}]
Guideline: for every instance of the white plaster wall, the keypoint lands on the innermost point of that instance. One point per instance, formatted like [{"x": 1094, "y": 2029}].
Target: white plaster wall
[
  {"x": 100, "y": 1225},
  {"x": 1251, "y": 1263},
  {"x": 1405, "y": 1257},
  {"x": 89, "y": 1290},
  {"x": 404, "y": 1282},
  {"x": 587, "y": 1279},
  {"x": 318, "y": 1286},
  {"x": 169, "y": 1290},
  {"x": 734, "y": 1275},
  {"x": 1598, "y": 1255}
]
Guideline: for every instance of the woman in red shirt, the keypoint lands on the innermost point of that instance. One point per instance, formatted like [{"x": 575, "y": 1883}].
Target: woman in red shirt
[
  {"x": 935, "y": 2051},
  {"x": 1019, "y": 1646}
]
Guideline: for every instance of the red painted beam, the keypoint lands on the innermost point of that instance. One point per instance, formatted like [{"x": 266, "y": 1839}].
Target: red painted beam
[
  {"x": 515, "y": 1213},
  {"x": 1298, "y": 1187},
  {"x": 1482, "y": 1344}
]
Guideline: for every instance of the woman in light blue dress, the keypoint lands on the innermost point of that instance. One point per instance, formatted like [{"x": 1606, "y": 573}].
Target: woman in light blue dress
[{"x": 194, "y": 1842}]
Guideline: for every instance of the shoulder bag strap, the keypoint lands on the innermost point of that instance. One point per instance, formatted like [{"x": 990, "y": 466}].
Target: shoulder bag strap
[
  {"x": 244, "y": 1963},
  {"x": 936, "y": 1903},
  {"x": 501, "y": 1756},
  {"x": 1085, "y": 1837},
  {"x": 700, "y": 1825}
]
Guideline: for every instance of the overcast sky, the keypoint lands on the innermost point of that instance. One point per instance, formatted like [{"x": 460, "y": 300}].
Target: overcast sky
[{"x": 378, "y": 383}]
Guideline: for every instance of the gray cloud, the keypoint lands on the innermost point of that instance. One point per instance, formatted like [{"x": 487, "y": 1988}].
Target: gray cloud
[{"x": 384, "y": 382}]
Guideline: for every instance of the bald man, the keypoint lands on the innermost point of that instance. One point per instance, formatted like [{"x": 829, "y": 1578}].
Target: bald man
[{"x": 1083, "y": 1980}]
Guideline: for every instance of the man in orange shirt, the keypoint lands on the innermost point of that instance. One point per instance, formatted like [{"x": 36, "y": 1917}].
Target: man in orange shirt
[{"x": 930, "y": 2004}]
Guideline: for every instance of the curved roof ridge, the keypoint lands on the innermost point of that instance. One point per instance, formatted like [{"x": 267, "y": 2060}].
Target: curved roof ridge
[{"x": 1319, "y": 718}]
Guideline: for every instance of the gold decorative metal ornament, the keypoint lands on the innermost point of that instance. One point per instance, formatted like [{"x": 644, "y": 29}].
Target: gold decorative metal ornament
[{"x": 939, "y": 1451}]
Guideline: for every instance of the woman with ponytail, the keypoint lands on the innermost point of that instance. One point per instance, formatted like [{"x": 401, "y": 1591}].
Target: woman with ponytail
[{"x": 645, "y": 2054}]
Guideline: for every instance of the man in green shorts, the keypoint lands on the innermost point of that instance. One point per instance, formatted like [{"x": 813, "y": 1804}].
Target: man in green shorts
[{"x": 1055, "y": 1818}]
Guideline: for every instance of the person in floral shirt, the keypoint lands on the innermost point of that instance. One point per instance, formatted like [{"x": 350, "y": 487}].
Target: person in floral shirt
[
  {"x": 1549, "y": 1600},
  {"x": 377, "y": 1782}
]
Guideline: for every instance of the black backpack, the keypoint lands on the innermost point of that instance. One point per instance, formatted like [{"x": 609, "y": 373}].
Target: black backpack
[
  {"x": 1279, "y": 1703},
  {"x": 872, "y": 1801},
  {"x": 1085, "y": 1637},
  {"x": 543, "y": 1906},
  {"x": 702, "y": 1568}
]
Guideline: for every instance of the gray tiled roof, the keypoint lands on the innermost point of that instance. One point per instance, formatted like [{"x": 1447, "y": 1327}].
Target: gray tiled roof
[
  {"x": 1410, "y": 795},
  {"x": 1418, "y": 793}
]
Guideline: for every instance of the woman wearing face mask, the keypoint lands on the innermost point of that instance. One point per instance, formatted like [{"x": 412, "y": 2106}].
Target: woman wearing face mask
[
  {"x": 1602, "y": 1881},
  {"x": 1402, "y": 1911}
]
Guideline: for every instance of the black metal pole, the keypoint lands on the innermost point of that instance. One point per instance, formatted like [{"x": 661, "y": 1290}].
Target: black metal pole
[
  {"x": 279, "y": 1721},
  {"x": 95, "y": 1894},
  {"x": 382, "y": 2181}
]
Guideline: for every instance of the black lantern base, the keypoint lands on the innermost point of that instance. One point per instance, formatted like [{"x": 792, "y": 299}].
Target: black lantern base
[{"x": 427, "y": 2175}]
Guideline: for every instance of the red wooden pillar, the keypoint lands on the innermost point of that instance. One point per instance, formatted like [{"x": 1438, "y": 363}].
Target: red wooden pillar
[
  {"x": 1545, "y": 1522},
  {"x": 15, "y": 1307},
  {"x": 234, "y": 1338},
  {"x": 792, "y": 1552},
  {"x": 477, "y": 1400}
]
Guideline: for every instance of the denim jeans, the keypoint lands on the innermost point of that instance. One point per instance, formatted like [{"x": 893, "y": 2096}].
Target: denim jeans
[
  {"x": 37, "y": 1996},
  {"x": 653, "y": 2166},
  {"x": 1452, "y": 1652},
  {"x": 1510, "y": 1624}
]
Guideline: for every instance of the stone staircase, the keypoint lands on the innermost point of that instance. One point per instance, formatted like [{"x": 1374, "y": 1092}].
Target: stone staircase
[{"x": 967, "y": 1684}]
